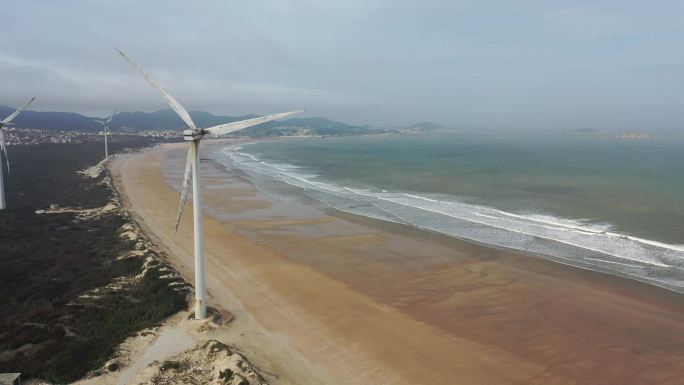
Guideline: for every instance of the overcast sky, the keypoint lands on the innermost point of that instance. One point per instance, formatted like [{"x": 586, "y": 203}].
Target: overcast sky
[{"x": 557, "y": 64}]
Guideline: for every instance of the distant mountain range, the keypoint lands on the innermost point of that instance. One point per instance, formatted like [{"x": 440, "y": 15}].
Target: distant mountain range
[
  {"x": 168, "y": 120},
  {"x": 65, "y": 121}
]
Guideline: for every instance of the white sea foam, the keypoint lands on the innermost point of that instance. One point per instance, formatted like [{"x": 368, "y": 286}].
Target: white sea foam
[{"x": 571, "y": 241}]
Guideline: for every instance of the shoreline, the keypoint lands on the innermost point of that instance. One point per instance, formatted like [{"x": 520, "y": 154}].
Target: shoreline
[
  {"x": 444, "y": 351},
  {"x": 434, "y": 236},
  {"x": 595, "y": 243},
  {"x": 459, "y": 241}
]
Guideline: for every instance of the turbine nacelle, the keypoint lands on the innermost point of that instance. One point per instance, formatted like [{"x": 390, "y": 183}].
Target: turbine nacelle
[{"x": 192, "y": 134}]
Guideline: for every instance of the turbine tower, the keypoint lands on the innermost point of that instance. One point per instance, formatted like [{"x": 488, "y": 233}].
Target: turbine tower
[
  {"x": 194, "y": 135},
  {"x": 105, "y": 129},
  {"x": 3, "y": 130}
]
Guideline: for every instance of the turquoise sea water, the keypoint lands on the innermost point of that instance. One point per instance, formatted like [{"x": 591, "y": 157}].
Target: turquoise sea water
[{"x": 593, "y": 201}]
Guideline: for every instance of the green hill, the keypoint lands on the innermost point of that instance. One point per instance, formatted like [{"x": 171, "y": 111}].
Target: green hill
[{"x": 168, "y": 120}]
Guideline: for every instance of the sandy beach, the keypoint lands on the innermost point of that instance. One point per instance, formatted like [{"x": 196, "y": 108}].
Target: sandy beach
[{"x": 328, "y": 298}]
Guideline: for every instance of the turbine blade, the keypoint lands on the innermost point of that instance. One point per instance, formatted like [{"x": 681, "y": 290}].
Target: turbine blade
[
  {"x": 187, "y": 177},
  {"x": 227, "y": 128},
  {"x": 182, "y": 112},
  {"x": 98, "y": 120},
  {"x": 109, "y": 119},
  {"x": 18, "y": 111},
  {"x": 3, "y": 147}
]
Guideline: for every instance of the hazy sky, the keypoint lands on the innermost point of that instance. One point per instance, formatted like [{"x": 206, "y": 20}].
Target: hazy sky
[{"x": 557, "y": 64}]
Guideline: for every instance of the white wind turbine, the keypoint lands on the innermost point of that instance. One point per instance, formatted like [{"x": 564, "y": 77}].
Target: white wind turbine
[
  {"x": 194, "y": 135},
  {"x": 3, "y": 129},
  {"x": 105, "y": 128}
]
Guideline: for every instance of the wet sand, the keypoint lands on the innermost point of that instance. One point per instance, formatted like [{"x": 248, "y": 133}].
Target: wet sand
[{"x": 324, "y": 297}]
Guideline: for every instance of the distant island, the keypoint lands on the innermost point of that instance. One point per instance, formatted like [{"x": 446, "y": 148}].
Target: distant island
[
  {"x": 634, "y": 135},
  {"x": 420, "y": 128}
]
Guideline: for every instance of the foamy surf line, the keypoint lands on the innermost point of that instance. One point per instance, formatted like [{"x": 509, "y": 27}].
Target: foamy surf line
[
  {"x": 564, "y": 224},
  {"x": 566, "y": 241}
]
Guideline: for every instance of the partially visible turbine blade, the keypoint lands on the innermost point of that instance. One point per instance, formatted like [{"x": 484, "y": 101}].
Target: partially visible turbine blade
[
  {"x": 18, "y": 111},
  {"x": 3, "y": 147},
  {"x": 169, "y": 99},
  {"x": 109, "y": 119},
  {"x": 227, "y": 128},
  {"x": 98, "y": 120},
  {"x": 187, "y": 177}
]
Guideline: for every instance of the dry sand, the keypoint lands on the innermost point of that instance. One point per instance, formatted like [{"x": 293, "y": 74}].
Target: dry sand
[{"x": 323, "y": 299}]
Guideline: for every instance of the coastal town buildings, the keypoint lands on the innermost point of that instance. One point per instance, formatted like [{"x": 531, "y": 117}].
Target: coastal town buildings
[{"x": 29, "y": 136}]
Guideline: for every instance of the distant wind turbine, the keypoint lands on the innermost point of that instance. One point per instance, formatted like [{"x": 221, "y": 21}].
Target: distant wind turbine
[
  {"x": 105, "y": 128},
  {"x": 3, "y": 129},
  {"x": 194, "y": 135}
]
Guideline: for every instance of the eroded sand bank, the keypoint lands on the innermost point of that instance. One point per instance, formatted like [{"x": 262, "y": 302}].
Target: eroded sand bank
[{"x": 329, "y": 299}]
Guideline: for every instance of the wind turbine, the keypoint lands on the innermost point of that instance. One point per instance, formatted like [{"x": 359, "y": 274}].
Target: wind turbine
[
  {"x": 3, "y": 147},
  {"x": 194, "y": 135},
  {"x": 105, "y": 128}
]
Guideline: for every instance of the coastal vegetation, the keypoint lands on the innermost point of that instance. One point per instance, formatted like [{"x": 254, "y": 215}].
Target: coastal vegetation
[{"x": 75, "y": 282}]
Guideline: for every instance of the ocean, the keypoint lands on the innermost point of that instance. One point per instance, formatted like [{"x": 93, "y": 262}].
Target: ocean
[{"x": 591, "y": 201}]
